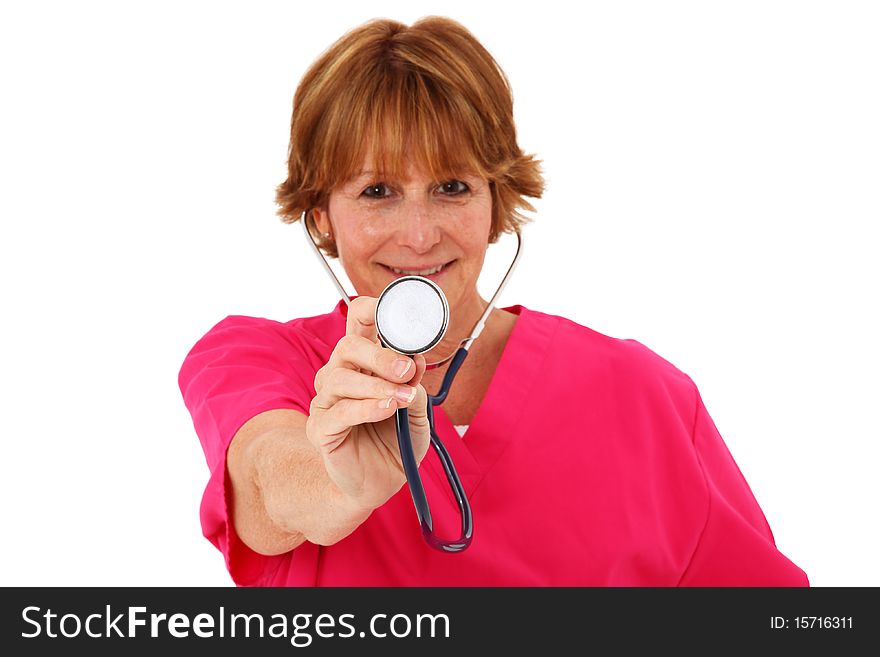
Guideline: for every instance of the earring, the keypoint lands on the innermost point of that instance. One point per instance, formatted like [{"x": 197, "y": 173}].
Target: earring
[{"x": 325, "y": 235}]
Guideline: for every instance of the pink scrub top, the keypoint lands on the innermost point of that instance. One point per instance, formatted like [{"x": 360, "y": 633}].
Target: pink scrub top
[{"x": 592, "y": 461}]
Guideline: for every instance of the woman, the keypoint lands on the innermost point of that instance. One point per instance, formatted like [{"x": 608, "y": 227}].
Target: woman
[{"x": 587, "y": 460}]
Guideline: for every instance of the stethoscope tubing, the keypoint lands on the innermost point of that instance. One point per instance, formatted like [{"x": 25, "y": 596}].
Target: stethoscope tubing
[
  {"x": 411, "y": 469},
  {"x": 401, "y": 419}
]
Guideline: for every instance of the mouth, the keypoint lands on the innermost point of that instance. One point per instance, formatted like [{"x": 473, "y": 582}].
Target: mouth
[{"x": 432, "y": 272}]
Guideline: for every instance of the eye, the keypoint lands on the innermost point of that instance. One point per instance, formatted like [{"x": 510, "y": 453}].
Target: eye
[
  {"x": 376, "y": 190},
  {"x": 453, "y": 188}
]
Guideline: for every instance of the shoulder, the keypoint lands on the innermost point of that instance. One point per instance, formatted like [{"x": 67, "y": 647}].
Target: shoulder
[
  {"x": 317, "y": 333},
  {"x": 241, "y": 341},
  {"x": 619, "y": 362}
]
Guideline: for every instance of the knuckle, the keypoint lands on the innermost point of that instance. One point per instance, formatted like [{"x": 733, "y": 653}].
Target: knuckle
[
  {"x": 381, "y": 360},
  {"x": 319, "y": 378},
  {"x": 343, "y": 412},
  {"x": 347, "y": 344},
  {"x": 381, "y": 388},
  {"x": 363, "y": 305},
  {"x": 312, "y": 430},
  {"x": 315, "y": 407},
  {"x": 337, "y": 377}
]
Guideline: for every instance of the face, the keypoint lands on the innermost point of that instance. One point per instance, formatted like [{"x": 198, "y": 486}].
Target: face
[{"x": 385, "y": 229}]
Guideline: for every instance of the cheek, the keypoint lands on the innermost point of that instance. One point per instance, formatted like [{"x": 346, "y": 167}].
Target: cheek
[
  {"x": 482, "y": 210},
  {"x": 475, "y": 226},
  {"x": 356, "y": 235},
  {"x": 365, "y": 240}
]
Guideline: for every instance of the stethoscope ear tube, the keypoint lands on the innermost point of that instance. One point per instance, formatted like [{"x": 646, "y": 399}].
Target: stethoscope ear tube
[
  {"x": 411, "y": 470},
  {"x": 404, "y": 440}
]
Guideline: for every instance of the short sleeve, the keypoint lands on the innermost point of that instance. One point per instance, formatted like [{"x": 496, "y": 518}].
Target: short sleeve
[
  {"x": 736, "y": 546},
  {"x": 242, "y": 367}
]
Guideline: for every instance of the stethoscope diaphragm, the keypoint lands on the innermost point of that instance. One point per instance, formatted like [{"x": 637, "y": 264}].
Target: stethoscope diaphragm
[{"x": 412, "y": 315}]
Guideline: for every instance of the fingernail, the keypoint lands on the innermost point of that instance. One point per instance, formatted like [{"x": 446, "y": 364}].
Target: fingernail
[
  {"x": 405, "y": 394},
  {"x": 401, "y": 367},
  {"x": 386, "y": 403}
]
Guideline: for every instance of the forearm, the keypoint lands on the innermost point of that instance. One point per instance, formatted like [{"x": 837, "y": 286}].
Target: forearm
[{"x": 282, "y": 493}]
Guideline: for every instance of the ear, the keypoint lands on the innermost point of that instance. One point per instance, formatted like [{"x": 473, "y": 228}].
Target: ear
[{"x": 322, "y": 221}]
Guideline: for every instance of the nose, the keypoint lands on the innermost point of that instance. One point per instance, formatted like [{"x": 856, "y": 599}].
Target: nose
[{"x": 419, "y": 225}]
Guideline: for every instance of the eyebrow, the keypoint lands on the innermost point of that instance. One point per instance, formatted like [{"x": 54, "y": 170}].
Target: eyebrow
[
  {"x": 363, "y": 174},
  {"x": 379, "y": 174}
]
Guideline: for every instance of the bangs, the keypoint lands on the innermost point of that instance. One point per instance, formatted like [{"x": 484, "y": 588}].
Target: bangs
[
  {"x": 388, "y": 98},
  {"x": 399, "y": 119}
]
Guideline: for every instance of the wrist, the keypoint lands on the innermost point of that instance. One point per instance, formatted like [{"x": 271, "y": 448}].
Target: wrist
[{"x": 356, "y": 508}]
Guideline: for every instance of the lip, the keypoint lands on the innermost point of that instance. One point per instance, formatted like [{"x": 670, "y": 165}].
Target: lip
[{"x": 446, "y": 266}]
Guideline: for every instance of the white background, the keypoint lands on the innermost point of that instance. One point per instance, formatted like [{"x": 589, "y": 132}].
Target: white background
[{"x": 712, "y": 191}]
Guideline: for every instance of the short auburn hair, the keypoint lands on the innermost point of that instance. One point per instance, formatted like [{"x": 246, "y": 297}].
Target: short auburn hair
[{"x": 429, "y": 94}]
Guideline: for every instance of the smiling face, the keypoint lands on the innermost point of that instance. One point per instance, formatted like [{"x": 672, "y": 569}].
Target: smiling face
[
  {"x": 386, "y": 227},
  {"x": 421, "y": 105}
]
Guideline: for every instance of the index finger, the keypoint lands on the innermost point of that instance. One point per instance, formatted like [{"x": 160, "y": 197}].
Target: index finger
[{"x": 361, "y": 319}]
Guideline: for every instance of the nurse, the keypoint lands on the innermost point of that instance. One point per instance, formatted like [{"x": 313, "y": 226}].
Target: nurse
[{"x": 588, "y": 460}]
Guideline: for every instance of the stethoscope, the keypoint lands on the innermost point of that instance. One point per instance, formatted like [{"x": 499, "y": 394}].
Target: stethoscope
[{"x": 412, "y": 316}]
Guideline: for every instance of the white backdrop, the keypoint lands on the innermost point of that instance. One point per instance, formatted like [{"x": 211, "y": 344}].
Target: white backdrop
[{"x": 712, "y": 191}]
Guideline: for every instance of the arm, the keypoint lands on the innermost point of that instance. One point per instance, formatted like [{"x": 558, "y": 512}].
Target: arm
[
  {"x": 736, "y": 546},
  {"x": 318, "y": 477},
  {"x": 270, "y": 461}
]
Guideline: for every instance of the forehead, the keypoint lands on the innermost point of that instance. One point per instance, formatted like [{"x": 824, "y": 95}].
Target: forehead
[{"x": 385, "y": 160}]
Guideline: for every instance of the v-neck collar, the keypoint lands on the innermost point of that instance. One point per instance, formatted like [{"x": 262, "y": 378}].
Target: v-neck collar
[{"x": 495, "y": 424}]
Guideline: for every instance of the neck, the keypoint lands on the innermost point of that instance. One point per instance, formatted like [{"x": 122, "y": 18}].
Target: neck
[
  {"x": 473, "y": 379},
  {"x": 462, "y": 320}
]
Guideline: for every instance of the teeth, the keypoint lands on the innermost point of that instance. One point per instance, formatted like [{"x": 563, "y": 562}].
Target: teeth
[{"x": 422, "y": 272}]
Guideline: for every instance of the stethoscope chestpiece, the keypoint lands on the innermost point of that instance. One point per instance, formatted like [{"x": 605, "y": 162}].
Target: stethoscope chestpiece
[{"x": 412, "y": 315}]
